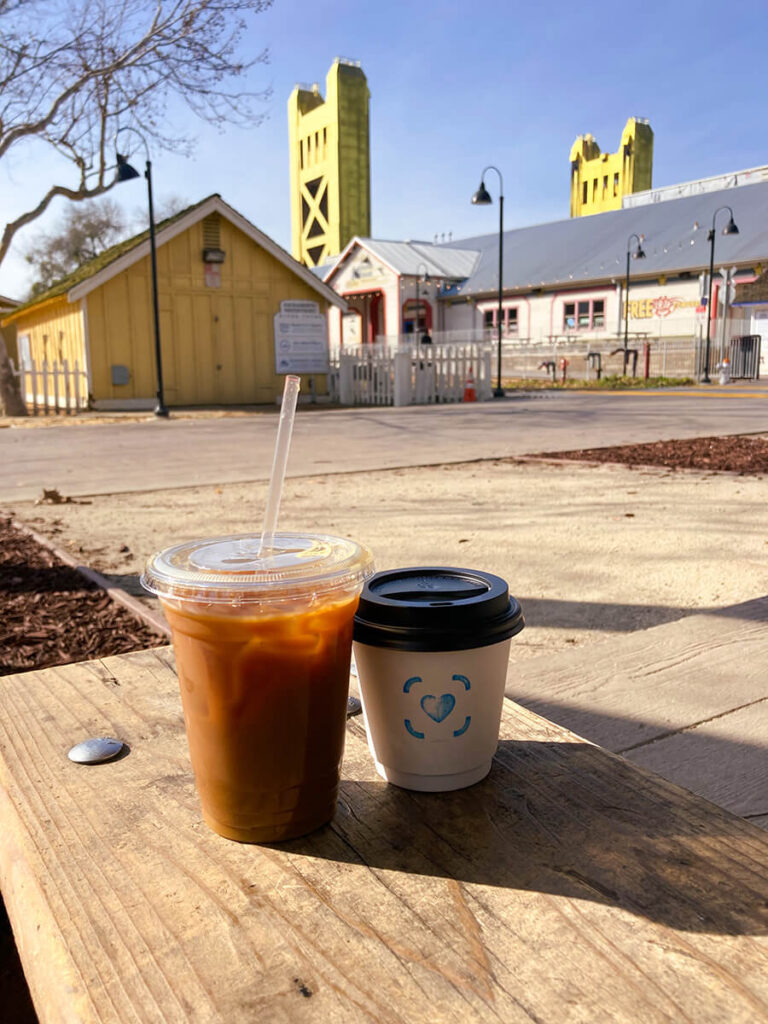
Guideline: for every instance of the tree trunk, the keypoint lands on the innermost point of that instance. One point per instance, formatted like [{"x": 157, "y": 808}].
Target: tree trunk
[{"x": 11, "y": 401}]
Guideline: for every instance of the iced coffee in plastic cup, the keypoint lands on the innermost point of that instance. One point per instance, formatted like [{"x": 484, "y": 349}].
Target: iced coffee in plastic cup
[{"x": 262, "y": 645}]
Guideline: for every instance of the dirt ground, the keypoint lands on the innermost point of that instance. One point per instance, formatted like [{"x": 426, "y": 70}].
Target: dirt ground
[{"x": 590, "y": 550}]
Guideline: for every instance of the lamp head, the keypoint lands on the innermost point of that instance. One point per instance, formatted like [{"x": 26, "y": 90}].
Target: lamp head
[
  {"x": 481, "y": 197},
  {"x": 639, "y": 253},
  {"x": 124, "y": 170},
  {"x": 730, "y": 228}
]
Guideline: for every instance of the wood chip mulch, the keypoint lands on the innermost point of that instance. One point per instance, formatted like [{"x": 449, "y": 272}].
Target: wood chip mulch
[
  {"x": 744, "y": 455},
  {"x": 51, "y": 615}
]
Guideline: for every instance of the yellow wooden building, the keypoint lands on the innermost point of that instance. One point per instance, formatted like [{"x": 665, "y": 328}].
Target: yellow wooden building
[{"x": 221, "y": 282}]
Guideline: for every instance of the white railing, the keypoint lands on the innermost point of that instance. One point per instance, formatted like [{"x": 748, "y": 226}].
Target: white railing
[
  {"x": 380, "y": 374},
  {"x": 667, "y": 357},
  {"x": 52, "y": 387},
  {"x": 673, "y": 347},
  {"x": 465, "y": 336}
]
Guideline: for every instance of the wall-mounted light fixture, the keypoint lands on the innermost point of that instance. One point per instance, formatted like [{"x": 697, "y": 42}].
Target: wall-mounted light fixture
[{"x": 214, "y": 255}]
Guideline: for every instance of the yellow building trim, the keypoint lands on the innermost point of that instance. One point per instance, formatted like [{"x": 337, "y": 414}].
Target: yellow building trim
[
  {"x": 86, "y": 342},
  {"x": 32, "y": 309},
  {"x": 599, "y": 181}
]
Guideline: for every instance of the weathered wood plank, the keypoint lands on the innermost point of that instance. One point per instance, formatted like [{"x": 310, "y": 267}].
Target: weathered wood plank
[
  {"x": 569, "y": 886},
  {"x": 638, "y": 687},
  {"x": 724, "y": 760}
]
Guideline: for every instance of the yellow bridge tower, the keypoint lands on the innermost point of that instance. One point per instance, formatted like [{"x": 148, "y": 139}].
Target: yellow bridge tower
[
  {"x": 599, "y": 181},
  {"x": 330, "y": 163}
]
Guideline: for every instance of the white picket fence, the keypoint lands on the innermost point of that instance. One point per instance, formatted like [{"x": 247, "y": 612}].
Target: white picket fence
[
  {"x": 53, "y": 387},
  {"x": 381, "y": 374}
]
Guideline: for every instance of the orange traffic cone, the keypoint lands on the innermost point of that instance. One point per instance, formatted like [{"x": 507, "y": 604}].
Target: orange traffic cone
[{"x": 470, "y": 395}]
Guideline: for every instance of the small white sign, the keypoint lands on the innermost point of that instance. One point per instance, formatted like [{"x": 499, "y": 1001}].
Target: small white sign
[
  {"x": 301, "y": 342},
  {"x": 213, "y": 275},
  {"x": 299, "y": 306}
]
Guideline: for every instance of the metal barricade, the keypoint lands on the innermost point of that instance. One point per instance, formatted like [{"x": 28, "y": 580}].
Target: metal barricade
[{"x": 745, "y": 357}]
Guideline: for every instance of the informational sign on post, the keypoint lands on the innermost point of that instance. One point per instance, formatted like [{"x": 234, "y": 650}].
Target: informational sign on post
[{"x": 301, "y": 338}]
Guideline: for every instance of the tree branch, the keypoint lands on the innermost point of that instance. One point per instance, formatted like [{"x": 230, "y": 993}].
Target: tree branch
[{"x": 77, "y": 194}]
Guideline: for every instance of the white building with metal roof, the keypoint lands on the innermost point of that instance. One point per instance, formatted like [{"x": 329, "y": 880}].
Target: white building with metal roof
[{"x": 566, "y": 279}]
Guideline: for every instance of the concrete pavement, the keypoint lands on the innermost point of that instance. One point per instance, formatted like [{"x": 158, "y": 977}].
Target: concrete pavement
[
  {"x": 115, "y": 458},
  {"x": 687, "y": 699}
]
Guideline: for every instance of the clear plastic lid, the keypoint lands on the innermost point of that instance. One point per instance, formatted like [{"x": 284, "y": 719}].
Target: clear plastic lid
[{"x": 230, "y": 569}]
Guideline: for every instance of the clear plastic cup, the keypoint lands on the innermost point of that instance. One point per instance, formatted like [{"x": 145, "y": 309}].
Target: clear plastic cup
[{"x": 263, "y": 646}]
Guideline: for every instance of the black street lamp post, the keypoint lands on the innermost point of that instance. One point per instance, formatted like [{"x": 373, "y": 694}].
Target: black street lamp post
[
  {"x": 482, "y": 198},
  {"x": 125, "y": 172},
  {"x": 729, "y": 229},
  {"x": 638, "y": 254}
]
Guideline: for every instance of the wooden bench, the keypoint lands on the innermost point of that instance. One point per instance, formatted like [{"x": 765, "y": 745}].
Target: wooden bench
[{"x": 569, "y": 886}]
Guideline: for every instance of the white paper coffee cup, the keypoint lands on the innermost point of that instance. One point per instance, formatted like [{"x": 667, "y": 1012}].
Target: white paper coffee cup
[{"x": 432, "y": 648}]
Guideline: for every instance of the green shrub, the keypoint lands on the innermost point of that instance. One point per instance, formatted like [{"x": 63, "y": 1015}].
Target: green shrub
[{"x": 613, "y": 382}]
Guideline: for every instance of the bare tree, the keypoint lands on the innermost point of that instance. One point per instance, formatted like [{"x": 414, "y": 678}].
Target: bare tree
[
  {"x": 84, "y": 231},
  {"x": 166, "y": 206},
  {"x": 74, "y": 71}
]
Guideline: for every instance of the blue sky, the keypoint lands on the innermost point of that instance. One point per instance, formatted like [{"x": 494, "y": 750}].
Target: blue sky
[{"x": 456, "y": 86}]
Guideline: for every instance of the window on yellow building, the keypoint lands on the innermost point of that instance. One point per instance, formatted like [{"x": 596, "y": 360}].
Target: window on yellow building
[
  {"x": 616, "y": 183},
  {"x": 584, "y": 194},
  {"x": 325, "y": 143},
  {"x": 594, "y": 190},
  {"x": 301, "y": 153},
  {"x": 605, "y": 184}
]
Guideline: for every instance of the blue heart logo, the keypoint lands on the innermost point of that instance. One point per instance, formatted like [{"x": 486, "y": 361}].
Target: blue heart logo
[{"x": 438, "y": 708}]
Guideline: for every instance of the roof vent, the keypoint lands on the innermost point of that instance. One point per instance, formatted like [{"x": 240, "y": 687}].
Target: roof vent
[{"x": 212, "y": 231}]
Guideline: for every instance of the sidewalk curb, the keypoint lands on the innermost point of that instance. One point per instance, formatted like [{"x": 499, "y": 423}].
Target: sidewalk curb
[{"x": 154, "y": 621}]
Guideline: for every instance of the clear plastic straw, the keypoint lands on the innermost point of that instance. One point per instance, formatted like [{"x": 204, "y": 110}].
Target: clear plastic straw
[{"x": 279, "y": 463}]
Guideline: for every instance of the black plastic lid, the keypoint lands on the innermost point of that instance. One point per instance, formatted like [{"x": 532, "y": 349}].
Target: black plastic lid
[{"x": 436, "y": 609}]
